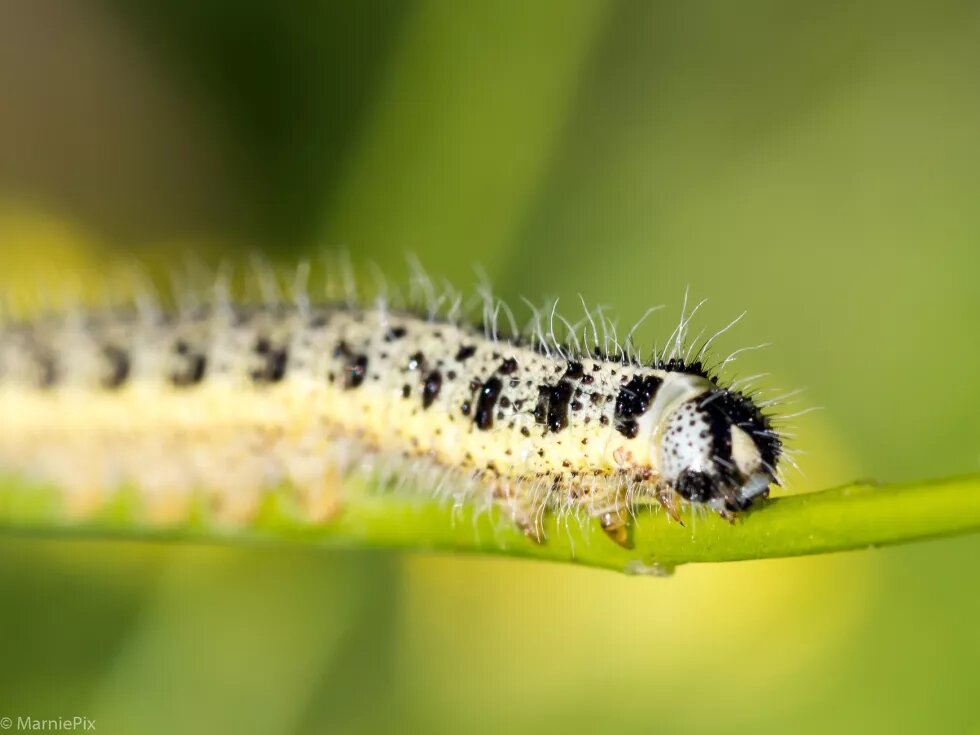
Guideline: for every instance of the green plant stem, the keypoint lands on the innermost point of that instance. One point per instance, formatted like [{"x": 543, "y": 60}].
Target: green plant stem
[{"x": 856, "y": 516}]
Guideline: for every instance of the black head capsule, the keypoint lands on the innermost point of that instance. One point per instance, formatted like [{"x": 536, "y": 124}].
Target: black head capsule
[{"x": 719, "y": 448}]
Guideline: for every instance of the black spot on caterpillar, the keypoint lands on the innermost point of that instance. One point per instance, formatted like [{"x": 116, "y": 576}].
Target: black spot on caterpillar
[
  {"x": 465, "y": 353},
  {"x": 430, "y": 390},
  {"x": 508, "y": 366},
  {"x": 395, "y": 333},
  {"x": 274, "y": 360},
  {"x": 354, "y": 365},
  {"x": 191, "y": 366},
  {"x": 575, "y": 371},
  {"x": 48, "y": 370},
  {"x": 356, "y": 371},
  {"x": 633, "y": 399},
  {"x": 118, "y": 361},
  {"x": 552, "y": 408},
  {"x": 484, "y": 405}
]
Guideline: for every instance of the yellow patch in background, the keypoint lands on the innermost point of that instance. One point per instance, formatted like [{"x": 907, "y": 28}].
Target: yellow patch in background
[
  {"x": 39, "y": 249},
  {"x": 702, "y": 647}
]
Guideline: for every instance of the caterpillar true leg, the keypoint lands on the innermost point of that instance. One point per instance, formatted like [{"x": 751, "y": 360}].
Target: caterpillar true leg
[
  {"x": 618, "y": 527},
  {"x": 669, "y": 500}
]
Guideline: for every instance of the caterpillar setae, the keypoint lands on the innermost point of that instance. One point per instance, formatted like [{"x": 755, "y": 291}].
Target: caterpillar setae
[{"x": 228, "y": 399}]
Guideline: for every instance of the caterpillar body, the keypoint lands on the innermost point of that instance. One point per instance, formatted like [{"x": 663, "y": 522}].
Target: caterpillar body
[{"x": 231, "y": 399}]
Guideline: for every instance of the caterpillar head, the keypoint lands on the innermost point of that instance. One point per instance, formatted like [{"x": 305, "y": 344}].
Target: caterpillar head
[{"x": 720, "y": 449}]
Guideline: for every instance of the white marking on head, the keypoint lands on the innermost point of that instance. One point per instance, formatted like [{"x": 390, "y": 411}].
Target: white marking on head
[
  {"x": 745, "y": 453},
  {"x": 687, "y": 443}
]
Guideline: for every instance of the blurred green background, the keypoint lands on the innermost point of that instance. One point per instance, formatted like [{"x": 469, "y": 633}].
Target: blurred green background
[{"x": 814, "y": 163}]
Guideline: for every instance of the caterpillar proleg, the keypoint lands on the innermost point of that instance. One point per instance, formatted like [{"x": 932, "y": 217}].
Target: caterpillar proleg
[{"x": 228, "y": 399}]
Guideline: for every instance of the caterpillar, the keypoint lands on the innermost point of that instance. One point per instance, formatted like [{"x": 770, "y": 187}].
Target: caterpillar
[{"x": 231, "y": 398}]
